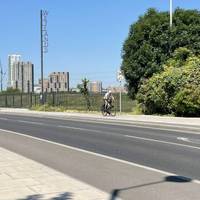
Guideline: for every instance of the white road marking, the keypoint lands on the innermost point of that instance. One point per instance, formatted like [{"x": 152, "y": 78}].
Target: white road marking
[
  {"x": 183, "y": 139},
  {"x": 29, "y": 122},
  {"x": 1, "y": 118},
  {"x": 161, "y": 141},
  {"x": 97, "y": 154},
  {"x": 77, "y": 128}
]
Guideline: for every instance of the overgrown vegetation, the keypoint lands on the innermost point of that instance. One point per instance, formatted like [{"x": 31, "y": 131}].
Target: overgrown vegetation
[
  {"x": 176, "y": 90},
  {"x": 84, "y": 91}
]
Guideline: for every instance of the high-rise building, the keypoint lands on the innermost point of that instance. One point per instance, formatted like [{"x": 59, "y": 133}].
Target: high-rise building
[
  {"x": 95, "y": 86},
  {"x": 11, "y": 60},
  {"x": 23, "y": 76}
]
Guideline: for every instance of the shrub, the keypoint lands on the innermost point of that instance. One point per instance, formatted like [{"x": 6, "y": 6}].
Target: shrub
[{"x": 176, "y": 90}]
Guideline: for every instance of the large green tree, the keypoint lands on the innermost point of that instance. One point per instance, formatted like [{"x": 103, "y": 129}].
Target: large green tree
[{"x": 151, "y": 42}]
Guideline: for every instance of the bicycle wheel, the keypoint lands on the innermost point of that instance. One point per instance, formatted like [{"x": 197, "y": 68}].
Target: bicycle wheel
[
  {"x": 113, "y": 111},
  {"x": 103, "y": 110}
]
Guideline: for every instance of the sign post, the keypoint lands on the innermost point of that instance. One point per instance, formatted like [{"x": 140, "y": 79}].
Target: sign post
[{"x": 120, "y": 78}]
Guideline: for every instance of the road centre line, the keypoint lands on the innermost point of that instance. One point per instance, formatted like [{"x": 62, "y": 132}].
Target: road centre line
[
  {"x": 29, "y": 122},
  {"x": 98, "y": 155},
  {"x": 161, "y": 141},
  {"x": 82, "y": 129},
  {"x": 1, "y": 118}
]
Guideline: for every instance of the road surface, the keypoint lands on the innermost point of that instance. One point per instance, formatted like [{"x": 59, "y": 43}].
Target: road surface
[{"x": 159, "y": 147}]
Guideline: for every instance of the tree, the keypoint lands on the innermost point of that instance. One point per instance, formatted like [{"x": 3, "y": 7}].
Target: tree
[
  {"x": 84, "y": 91},
  {"x": 151, "y": 43}
]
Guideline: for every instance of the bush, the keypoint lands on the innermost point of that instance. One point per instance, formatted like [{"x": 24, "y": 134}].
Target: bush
[{"x": 176, "y": 90}]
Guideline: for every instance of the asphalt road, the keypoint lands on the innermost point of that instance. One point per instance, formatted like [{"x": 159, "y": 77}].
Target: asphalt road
[
  {"x": 172, "y": 151},
  {"x": 160, "y": 149}
]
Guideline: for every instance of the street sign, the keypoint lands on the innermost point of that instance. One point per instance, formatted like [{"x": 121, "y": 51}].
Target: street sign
[{"x": 120, "y": 76}]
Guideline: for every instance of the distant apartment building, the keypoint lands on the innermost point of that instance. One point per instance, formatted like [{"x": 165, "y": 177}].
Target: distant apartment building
[
  {"x": 11, "y": 60},
  {"x": 23, "y": 76},
  {"x": 95, "y": 86},
  {"x": 56, "y": 82},
  {"x": 45, "y": 84}
]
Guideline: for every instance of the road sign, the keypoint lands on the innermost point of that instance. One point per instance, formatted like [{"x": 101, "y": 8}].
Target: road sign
[{"x": 120, "y": 76}]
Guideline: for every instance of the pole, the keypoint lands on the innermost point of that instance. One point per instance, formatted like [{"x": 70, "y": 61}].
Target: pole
[
  {"x": 171, "y": 13},
  {"x": 1, "y": 77},
  {"x": 120, "y": 98},
  {"x": 41, "y": 37}
]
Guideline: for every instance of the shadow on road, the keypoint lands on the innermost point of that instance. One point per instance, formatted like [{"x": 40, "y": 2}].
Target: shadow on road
[
  {"x": 63, "y": 196},
  {"x": 175, "y": 179}
]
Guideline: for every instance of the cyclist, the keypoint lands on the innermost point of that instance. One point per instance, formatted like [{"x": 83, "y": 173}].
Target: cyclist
[{"x": 108, "y": 100}]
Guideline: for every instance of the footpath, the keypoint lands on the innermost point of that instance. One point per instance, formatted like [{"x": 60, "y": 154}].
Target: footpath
[{"x": 25, "y": 179}]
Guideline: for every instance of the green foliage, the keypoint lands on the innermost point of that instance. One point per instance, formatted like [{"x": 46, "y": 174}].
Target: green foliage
[
  {"x": 11, "y": 91},
  {"x": 176, "y": 90},
  {"x": 84, "y": 91},
  {"x": 151, "y": 43}
]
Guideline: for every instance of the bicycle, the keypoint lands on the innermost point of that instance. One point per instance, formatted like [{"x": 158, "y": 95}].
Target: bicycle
[{"x": 108, "y": 110}]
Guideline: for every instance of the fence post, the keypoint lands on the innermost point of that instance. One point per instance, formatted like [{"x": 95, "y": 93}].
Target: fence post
[
  {"x": 6, "y": 101},
  {"x": 30, "y": 99},
  {"x": 21, "y": 100},
  {"x": 53, "y": 98},
  {"x": 35, "y": 99},
  {"x": 13, "y": 100}
]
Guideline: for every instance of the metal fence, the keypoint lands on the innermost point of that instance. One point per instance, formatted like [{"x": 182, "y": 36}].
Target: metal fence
[{"x": 70, "y": 101}]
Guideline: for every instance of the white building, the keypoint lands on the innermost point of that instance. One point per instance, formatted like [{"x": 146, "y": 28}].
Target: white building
[
  {"x": 37, "y": 89},
  {"x": 11, "y": 60}
]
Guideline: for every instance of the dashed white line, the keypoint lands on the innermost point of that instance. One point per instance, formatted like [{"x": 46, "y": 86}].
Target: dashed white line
[
  {"x": 183, "y": 139},
  {"x": 29, "y": 122},
  {"x": 77, "y": 128},
  {"x": 161, "y": 141},
  {"x": 1, "y": 118}
]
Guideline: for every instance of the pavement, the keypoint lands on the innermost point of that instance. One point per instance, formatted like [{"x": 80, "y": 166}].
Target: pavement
[{"x": 24, "y": 179}]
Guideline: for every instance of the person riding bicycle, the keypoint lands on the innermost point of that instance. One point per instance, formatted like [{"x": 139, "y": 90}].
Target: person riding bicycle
[{"x": 108, "y": 99}]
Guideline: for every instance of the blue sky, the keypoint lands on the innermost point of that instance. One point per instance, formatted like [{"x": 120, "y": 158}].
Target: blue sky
[{"x": 85, "y": 36}]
